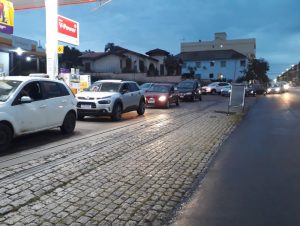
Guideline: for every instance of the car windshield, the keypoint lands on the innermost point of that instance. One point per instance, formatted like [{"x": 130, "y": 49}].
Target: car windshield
[
  {"x": 7, "y": 88},
  {"x": 212, "y": 84},
  {"x": 145, "y": 85},
  {"x": 185, "y": 85},
  {"x": 105, "y": 87},
  {"x": 159, "y": 88}
]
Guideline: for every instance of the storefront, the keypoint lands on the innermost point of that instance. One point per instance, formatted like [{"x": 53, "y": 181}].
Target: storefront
[{"x": 20, "y": 56}]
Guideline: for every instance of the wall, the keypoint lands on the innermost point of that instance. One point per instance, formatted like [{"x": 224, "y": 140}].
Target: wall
[
  {"x": 138, "y": 77},
  {"x": 110, "y": 63}
]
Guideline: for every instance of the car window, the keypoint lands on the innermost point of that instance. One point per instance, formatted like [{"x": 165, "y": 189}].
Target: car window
[
  {"x": 7, "y": 88},
  {"x": 52, "y": 89},
  {"x": 33, "y": 90},
  {"x": 159, "y": 88},
  {"x": 125, "y": 88},
  {"x": 104, "y": 87},
  {"x": 133, "y": 87},
  {"x": 185, "y": 85}
]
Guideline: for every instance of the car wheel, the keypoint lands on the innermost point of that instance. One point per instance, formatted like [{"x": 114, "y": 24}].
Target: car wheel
[
  {"x": 167, "y": 104},
  {"x": 117, "y": 112},
  {"x": 213, "y": 91},
  {"x": 141, "y": 109},
  {"x": 69, "y": 123},
  {"x": 193, "y": 98},
  {"x": 80, "y": 117},
  {"x": 177, "y": 102},
  {"x": 6, "y": 135}
]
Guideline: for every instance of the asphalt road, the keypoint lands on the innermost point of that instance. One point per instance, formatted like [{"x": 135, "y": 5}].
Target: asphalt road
[{"x": 255, "y": 177}]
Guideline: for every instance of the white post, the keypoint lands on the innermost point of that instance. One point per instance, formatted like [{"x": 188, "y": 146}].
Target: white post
[{"x": 51, "y": 37}]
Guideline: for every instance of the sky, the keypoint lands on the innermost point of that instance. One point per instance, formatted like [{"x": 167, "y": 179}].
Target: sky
[{"x": 143, "y": 25}]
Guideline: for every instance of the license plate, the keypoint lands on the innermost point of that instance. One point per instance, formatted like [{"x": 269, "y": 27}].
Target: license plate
[
  {"x": 151, "y": 101},
  {"x": 86, "y": 106}
]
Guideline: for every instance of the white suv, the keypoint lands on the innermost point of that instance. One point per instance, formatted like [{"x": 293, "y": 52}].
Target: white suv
[
  {"x": 31, "y": 104},
  {"x": 214, "y": 87},
  {"x": 112, "y": 98}
]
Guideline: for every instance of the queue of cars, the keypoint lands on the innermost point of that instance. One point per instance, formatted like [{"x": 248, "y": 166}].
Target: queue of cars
[{"x": 34, "y": 103}]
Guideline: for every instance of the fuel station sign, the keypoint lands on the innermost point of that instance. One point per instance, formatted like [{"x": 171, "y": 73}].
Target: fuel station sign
[{"x": 68, "y": 30}]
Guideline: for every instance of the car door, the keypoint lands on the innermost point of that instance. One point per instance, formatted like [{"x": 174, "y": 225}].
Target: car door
[
  {"x": 127, "y": 96},
  {"x": 136, "y": 94},
  {"x": 56, "y": 100},
  {"x": 30, "y": 116}
]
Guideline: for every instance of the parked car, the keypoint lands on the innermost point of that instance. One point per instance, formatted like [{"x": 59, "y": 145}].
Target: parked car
[
  {"x": 226, "y": 90},
  {"x": 161, "y": 95},
  {"x": 250, "y": 90},
  {"x": 285, "y": 85},
  {"x": 214, "y": 87},
  {"x": 146, "y": 86},
  {"x": 275, "y": 88},
  {"x": 110, "y": 98},
  {"x": 32, "y": 104},
  {"x": 189, "y": 90}
]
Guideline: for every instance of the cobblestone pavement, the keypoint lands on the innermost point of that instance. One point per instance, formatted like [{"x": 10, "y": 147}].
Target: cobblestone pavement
[{"x": 138, "y": 175}]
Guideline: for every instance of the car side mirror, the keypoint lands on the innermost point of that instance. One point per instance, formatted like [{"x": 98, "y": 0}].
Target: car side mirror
[{"x": 25, "y": 99}]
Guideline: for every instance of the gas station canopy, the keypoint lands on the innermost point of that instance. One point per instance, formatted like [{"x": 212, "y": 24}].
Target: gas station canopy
[{"x": 31, "y": 4}]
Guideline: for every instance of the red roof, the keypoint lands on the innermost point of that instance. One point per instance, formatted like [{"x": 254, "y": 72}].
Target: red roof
[{"x": 30, "y": 4}]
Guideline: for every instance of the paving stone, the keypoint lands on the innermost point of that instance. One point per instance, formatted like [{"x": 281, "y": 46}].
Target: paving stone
[{"x": 136, "y": 175}]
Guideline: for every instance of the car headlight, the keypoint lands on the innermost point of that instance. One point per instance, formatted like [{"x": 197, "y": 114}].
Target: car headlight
[
  {"x": 104, "y": 101},
  {"x": 277, "y": 89},
  {"x": 269, "y": 90},
  {"x": 286, "y": 86},
  {"x": 162, "y": 98}
]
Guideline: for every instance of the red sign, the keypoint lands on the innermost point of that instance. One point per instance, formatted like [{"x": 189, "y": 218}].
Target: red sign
[{"x": 68, "y": 30}]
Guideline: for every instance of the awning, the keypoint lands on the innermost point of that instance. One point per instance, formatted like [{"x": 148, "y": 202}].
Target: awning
[{"x": 31, "y": 4}]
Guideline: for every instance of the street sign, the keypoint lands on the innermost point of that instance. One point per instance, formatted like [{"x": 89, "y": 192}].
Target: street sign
[
  {"x": 6, "y": 17},
  {"x": 60, "y": 49},
  {"x": 68, "y": 30}
]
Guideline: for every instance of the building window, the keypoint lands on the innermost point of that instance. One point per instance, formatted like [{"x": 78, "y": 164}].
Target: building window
[
  {"x": 162, "y": 69},
  {"x": 223, "y": 63},
  {"x": 211, "y": 75},
  {"x": 212, "y": 63},
  {"x": 198, "y": 64},
  {"x": 243, "y": 63}
]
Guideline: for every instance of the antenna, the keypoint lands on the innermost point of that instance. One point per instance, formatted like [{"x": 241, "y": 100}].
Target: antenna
[{"x": 101, "y": 3}]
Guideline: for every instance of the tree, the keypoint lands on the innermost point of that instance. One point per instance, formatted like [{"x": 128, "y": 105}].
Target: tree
[
  {"x": 70, "y": 58},
  {"x": 257, "y": 70},
  {"x": 172, "y": 64},
  {"x": 109, "y": 47}
]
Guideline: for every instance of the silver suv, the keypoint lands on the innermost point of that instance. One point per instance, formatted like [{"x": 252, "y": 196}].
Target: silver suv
[{"x": 112, "y": 98}]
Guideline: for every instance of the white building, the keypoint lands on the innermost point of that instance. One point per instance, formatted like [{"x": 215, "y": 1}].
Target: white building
[
  {"x": 119, "y": 60},
  {"x": 160, "y": 55},
  {"x": 214, "y": 64},
  {"x": 246, "y": 47},
  {"x": 217, "y": 59}
]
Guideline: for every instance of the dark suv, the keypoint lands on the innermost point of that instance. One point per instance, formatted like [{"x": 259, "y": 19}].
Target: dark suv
[{"x": 189, "y": 90}]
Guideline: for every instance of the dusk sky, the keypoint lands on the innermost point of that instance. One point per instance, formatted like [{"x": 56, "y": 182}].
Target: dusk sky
[{"x": 142, "y": 25}]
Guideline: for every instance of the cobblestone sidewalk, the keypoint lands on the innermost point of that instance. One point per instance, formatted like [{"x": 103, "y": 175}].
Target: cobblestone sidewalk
[{"x": 137, "y": 176}]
